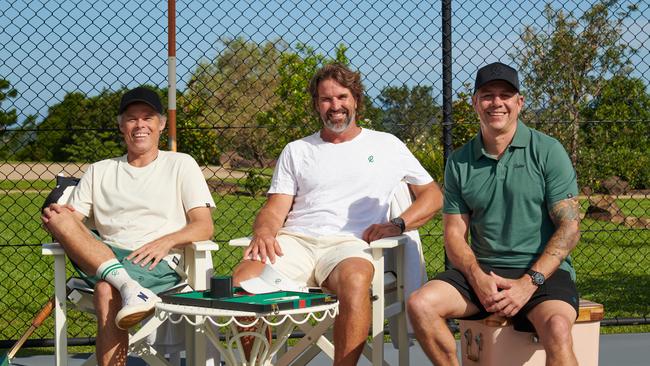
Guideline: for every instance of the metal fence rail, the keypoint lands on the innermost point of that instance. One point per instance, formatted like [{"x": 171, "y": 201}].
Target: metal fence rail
[{"x": 241, "y": 74}]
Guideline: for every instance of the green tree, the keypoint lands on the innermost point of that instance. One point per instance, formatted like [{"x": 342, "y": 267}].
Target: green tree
[
  {"x": 408, "y": 113},
  {"x": 7, "y": 118},
  {"x": 412, "y": 115},
  {"x": 194, "y": 135},
  {"x": 616, "y": 136},
  {"x": 12, "y": 140},
  {"x": 566, "y": 64},
  {"x": 256, "y": 96},
  {"x": 79, "y": 128},
  {"x": 292, "y": 116},
  {"x": 228, "y": 92},
  {"x": 92, "y": 145},
  {"x": 466, "y": 122},
  {"x": 85, "y": 129}
]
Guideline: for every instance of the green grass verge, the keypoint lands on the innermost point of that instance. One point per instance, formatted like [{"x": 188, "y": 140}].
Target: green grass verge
[{"x": 40, "y": 184}]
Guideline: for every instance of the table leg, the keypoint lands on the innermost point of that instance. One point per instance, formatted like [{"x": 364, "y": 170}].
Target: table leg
[
  {"x": 198, "y": 341},
  {"x": 260, "y": 344},
  {"x": 235, "y": 338},
  {"x": 312, "y": 334},
  {"x": 149, "y": 327},
  {"x": 227, "y": 354},
  {"x": 282, "y": 333}
]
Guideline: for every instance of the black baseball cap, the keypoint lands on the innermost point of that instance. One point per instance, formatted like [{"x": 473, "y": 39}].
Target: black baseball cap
[
  {"x": 141, "y": 95},
  {"x": 496, "y": 71}
]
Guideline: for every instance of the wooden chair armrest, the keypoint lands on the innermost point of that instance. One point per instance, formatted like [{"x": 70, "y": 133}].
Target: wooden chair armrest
[
  {"x": 204, "y": 245},
  {"x": 389, "y": 242},
  {"x": 240, "y": 242},
  {"x": 52, "y": 249}
]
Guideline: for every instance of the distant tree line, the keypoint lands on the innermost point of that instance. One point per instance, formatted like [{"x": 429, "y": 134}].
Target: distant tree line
[{"x": 251, "y": 99}]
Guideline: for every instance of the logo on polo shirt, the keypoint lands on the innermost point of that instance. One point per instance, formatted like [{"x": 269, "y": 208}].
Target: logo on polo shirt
[{"x": 371, "y": 158}]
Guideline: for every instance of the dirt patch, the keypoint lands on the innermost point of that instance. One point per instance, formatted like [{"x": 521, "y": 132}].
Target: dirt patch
[{"x": 47, "y": 171}]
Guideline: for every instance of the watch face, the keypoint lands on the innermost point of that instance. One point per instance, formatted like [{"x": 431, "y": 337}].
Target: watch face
[
  {"x": 538, "y": 278},
  {"x": 399, "y": 222}
]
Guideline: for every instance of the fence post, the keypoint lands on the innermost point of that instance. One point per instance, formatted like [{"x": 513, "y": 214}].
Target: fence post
[
  {"x": 447, "y": 119},
  {"x": 171, "y": 76}
]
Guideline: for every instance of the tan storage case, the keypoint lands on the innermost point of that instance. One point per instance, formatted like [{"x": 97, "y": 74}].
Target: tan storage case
[{"x": 494, "y": 342}]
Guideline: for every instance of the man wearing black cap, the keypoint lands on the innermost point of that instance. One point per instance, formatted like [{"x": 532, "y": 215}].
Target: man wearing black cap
[
  {"x": 513, "y": 191},
  {"x": 145, "y": 205}
]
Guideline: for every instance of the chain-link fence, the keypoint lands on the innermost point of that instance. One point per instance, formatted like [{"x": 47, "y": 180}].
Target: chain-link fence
[{"x": 242, "y": 69}]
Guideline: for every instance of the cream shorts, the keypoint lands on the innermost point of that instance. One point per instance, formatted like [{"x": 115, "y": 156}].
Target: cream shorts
[{"x": 310, "y": 260}]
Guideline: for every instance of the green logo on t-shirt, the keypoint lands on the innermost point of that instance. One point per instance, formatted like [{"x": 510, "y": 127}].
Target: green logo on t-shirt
[{"x": 371, "y": 159}]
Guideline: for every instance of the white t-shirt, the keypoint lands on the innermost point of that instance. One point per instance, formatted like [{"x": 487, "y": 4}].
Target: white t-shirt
[
  {"x": 131, "y": 206},
  {"x": 341, "y": 189}
]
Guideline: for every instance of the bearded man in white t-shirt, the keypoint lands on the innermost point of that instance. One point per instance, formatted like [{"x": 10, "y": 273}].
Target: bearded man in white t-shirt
[
  {"x": 329, "y": 197},
  {"x": 145, "y": 205}
]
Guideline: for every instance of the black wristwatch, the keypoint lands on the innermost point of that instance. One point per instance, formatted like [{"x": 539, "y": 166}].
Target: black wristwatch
[
  {"x": 399, "y": 222},
  {"x": 538, "y": 278}
]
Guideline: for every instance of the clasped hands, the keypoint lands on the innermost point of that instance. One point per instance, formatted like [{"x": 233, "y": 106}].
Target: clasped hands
[{"x": 504, "y": 296}]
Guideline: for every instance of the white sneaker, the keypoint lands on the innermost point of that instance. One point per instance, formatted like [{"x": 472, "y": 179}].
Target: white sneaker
[{"x": 137, "y": 303}]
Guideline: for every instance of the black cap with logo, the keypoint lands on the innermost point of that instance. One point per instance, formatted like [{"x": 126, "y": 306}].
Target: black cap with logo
[
  {"x": 496, "y": 71},
  {"x": 141, "y": 95}
]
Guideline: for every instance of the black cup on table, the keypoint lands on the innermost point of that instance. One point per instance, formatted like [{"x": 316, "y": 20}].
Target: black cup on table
[{"x": 220, "y": 286}]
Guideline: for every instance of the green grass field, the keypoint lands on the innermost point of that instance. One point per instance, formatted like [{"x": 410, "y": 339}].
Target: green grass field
[{"x": 612, "y": 261}]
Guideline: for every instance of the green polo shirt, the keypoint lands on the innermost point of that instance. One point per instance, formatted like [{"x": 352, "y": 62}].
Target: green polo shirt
[{"x": 508, "y": 199}]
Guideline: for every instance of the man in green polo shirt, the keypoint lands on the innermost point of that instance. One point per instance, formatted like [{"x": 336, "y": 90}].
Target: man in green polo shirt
[{"x": 512, "y": 190}]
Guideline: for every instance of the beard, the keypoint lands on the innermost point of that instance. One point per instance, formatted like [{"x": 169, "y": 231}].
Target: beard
[{"x": 339, "y": 127}]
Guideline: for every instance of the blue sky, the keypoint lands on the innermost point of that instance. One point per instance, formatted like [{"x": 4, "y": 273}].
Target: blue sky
[{"x": 49, "y": 48}]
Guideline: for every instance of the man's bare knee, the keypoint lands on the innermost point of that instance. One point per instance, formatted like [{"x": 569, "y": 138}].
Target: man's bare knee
[
  {"x": 106, "y": 299},
  {"x": 558, "y": 330},
  {"x": 351, "y": 275},
  {"x": 426, "y": 299},
  {"x": 553, "y": 321},
  {"x": 104, "y": 291},
  {"x": 355, "y": 282},
  {"x": 438, "y": 299},
  {"x": 420, "y": 302}
]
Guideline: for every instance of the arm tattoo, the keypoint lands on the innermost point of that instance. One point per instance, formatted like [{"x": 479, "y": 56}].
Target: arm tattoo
[
  {"x": 565, "y": 210},
  {"x": 566, "y": 217}
]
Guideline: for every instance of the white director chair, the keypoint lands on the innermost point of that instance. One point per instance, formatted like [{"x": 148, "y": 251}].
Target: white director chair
[
  {"x": 399, "y": 270},
  {"x": 198, "y": 266}
]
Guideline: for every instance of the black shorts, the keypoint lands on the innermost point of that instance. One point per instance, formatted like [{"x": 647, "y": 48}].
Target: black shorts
[{"x": 559, "y": 286}]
